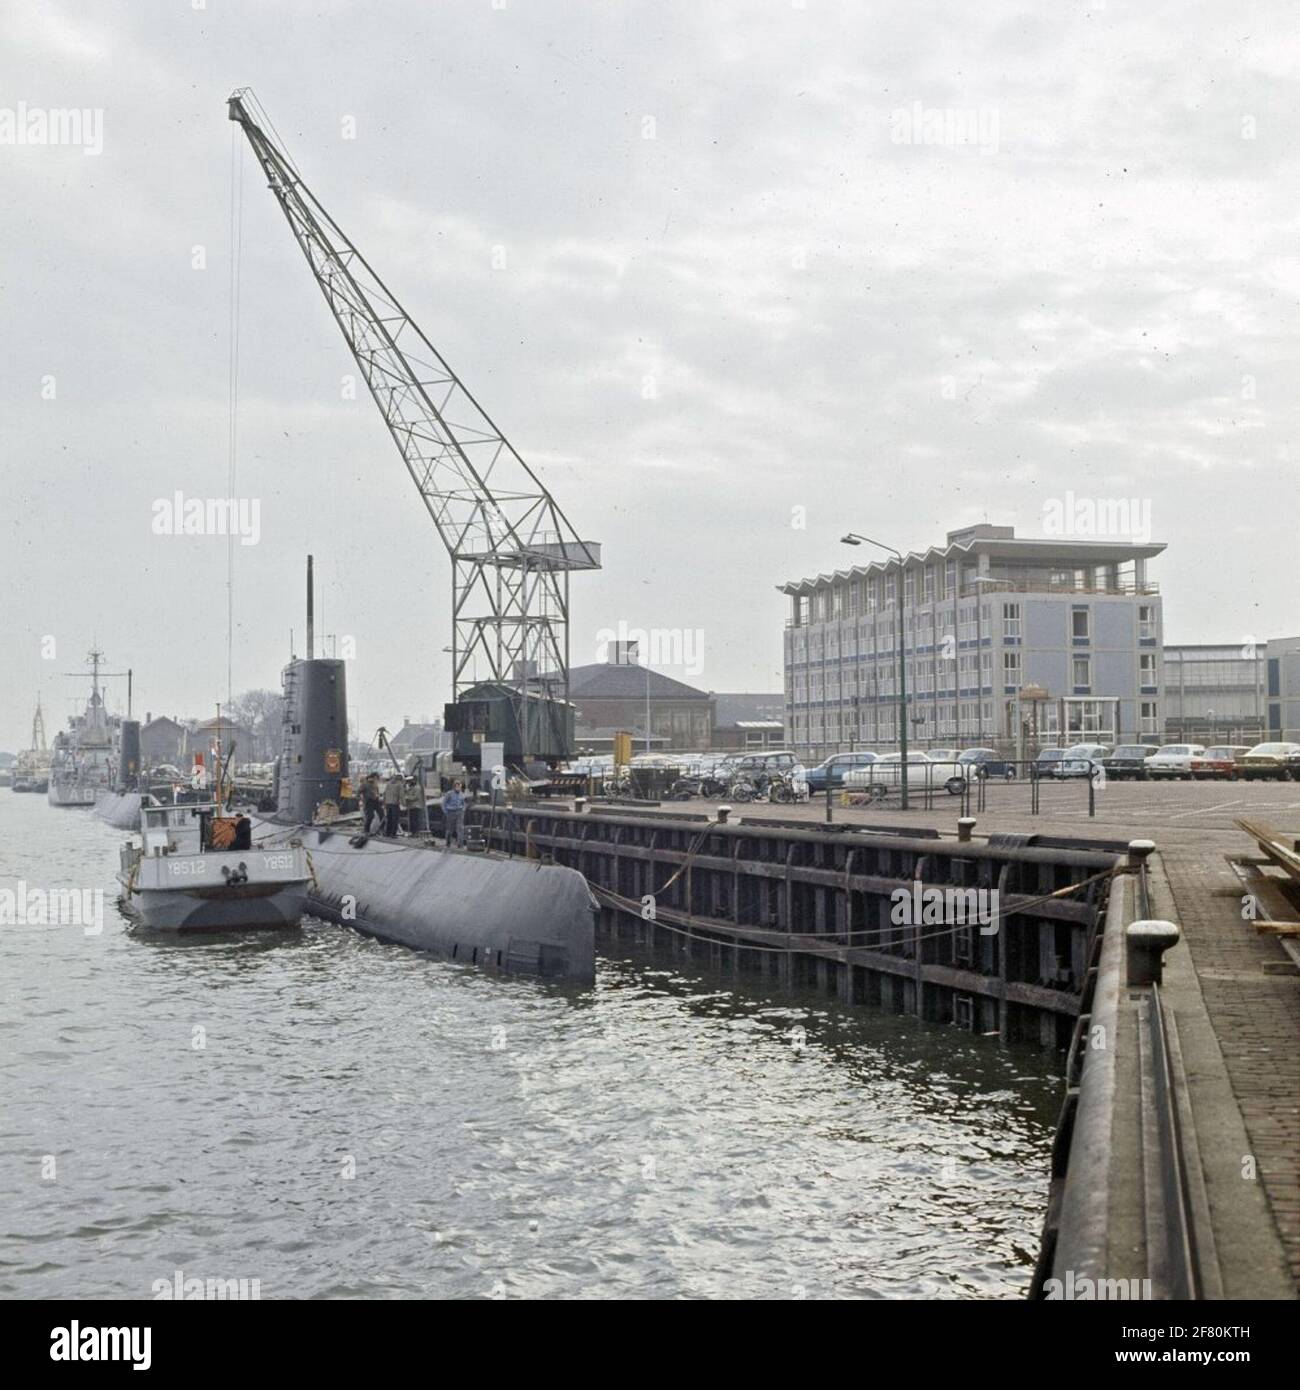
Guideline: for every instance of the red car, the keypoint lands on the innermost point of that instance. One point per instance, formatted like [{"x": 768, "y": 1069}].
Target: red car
[{"x": 1221, "y": 761}]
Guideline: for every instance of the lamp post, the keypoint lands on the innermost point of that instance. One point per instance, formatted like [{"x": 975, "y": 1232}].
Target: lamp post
[{"x": 853, "y": 538}]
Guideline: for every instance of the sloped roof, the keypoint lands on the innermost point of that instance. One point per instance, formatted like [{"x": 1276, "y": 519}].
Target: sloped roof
[
  {"x": 732, "y": 710},
  {"x": 606, "y": 680}
]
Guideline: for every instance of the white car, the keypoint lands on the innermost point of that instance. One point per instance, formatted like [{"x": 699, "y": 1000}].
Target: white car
[
  {"x": 923, "y": 770},
  {"x": 1174, "y": 760},
  {"x": 1082, "y": 760}
]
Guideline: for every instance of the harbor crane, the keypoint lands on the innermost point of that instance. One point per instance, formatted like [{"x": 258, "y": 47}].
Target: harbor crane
[{"x": 512, "y": 549}]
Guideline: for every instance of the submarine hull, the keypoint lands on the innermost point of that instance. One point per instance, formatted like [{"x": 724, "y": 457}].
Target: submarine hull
[
  {"x": 120, "y": 809},
  {"x": 515, "y": 916}
]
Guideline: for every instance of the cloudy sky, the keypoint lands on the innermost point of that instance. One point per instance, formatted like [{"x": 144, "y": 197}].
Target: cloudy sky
[{"x": 727, "y": 274}]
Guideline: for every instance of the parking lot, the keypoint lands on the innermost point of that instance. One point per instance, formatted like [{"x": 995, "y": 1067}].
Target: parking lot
[{"x": 1168, "y": 812}]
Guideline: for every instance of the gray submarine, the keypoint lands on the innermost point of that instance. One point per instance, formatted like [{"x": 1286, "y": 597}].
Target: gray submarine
[
  {"x": 121, "y": 806},
  {"x": 480, "y": 907}
]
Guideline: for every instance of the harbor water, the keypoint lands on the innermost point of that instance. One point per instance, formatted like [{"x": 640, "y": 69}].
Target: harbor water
[{"x": 331, "y": 1116}]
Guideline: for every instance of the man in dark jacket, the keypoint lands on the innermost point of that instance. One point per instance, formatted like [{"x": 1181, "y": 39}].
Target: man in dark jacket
[
  {"x": 394, "y": 795},
  {"x": 371, "y": 803}
]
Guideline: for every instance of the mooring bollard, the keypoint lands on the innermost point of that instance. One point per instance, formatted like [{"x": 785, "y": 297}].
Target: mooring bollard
[
  {"x": 965, "y": 825},
  {"x": 1146, "y": 942},
  {"x": 579, "y": 803},
  {"x": 723, "y": 813},
  {"x": 1139, "y": 851}
]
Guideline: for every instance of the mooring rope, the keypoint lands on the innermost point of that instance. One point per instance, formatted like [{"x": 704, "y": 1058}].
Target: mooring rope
[{"x": 803, "y": 940}]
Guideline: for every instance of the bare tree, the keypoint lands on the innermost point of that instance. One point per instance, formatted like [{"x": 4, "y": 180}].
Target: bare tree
[{"x": 261, "y": 712}]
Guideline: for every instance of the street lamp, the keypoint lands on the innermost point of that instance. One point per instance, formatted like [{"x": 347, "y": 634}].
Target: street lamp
[{"x": 853, "y": 538}]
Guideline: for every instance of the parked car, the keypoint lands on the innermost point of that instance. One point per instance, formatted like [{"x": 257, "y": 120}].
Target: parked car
[
  {"x": 1082, "y": 759},
  {"x": 1049, "y": 762},
  {"x": 923, "y": 770},
  {"x": 1222, "y": 761},
  {"x": 830, "y": 773},
  {"x": 1174, "y": 760},
  {"x": 987, "y": 762},
  {"x": 1277, "y": 760},
  {"x": 1128, "y": 760}
]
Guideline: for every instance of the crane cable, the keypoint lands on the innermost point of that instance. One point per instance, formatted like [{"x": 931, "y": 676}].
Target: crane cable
[{"x": 236, "y": 255}]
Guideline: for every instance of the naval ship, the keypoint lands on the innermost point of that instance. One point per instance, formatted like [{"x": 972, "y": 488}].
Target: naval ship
[
  {"x": 84, "y": 759},
  {"x": 32, "y": 770}
]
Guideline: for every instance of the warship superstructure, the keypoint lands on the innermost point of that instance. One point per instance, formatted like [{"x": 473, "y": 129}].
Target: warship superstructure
[{"x": 84, "y": 759}]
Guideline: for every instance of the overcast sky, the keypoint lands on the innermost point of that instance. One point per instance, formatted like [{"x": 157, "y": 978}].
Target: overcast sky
[{"x": 732, "y": 288}]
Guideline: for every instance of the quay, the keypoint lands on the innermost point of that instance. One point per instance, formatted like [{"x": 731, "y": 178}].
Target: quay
[{"x": 1177, "y": 1157}]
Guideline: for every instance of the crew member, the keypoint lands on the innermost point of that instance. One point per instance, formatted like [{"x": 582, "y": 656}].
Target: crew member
[
  {"x": 371, "y": 803},
  {"x": 393, "y": 794},
  {"x": 414, "y": 806},
  {"x": 453, "y": 815}
]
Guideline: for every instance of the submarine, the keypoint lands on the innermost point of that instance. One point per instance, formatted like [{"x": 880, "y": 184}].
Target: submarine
[
  {"x": 479, "y": 907},
  {"x": 121, "y": 807}
]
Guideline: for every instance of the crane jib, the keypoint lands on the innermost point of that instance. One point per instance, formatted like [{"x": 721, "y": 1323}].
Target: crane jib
[{"x": 490, "y": 509}]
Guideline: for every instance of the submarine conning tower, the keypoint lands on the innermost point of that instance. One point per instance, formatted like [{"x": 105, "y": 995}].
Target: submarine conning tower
[
  {"x": 314, "y": 742},
  {"x": 128, "y": 758},
  {"x": 313, "y": 757}
]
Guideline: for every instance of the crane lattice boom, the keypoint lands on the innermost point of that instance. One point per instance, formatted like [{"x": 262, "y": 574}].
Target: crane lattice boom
[{"x": 511, "y": 547}]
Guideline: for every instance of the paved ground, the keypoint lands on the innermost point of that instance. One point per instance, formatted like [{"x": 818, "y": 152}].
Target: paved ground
[{"x": 1248, "y": 985}]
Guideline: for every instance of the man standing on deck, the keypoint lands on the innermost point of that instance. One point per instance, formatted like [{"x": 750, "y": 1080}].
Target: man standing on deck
[
  {"x": 371, "y": 806},
  {"x": 453, "y": 815},
  {"x": 394, "y": 793}
]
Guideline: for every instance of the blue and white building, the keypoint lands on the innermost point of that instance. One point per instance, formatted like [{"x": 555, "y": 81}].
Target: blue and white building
[{"x": 1058, "y": 638}]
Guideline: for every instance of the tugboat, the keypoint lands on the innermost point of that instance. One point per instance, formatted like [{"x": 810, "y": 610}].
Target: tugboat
[{"x": 196, "y": 870}]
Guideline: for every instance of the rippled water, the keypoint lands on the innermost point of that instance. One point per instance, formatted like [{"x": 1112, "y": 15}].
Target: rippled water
[{"x": 337, "y": 1117}]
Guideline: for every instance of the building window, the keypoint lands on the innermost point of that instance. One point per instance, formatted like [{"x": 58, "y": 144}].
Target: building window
[
  {"x": 950, "y": 579},
  {"x": 929, "y": 584},
  {"x": 1080, "y": 624},
  {"x": 1147, "y": 622},
  {"x": 891, "y": 590},
  {"x": 1147, "y": 668},
  {"x": 1082, "y": 672},
  {"x": 1147, "y": 717},
  {"x": 909, "y": 586},
  {"x": 1010, "y": 668},
  {"x": 1011, "y": 621},
  {"x": 853, "y": 598}
]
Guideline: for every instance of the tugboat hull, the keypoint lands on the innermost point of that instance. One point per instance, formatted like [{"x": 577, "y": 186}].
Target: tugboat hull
[
  {"x": 214, "y": 890},
  {"x": 267, "y": 908}
]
